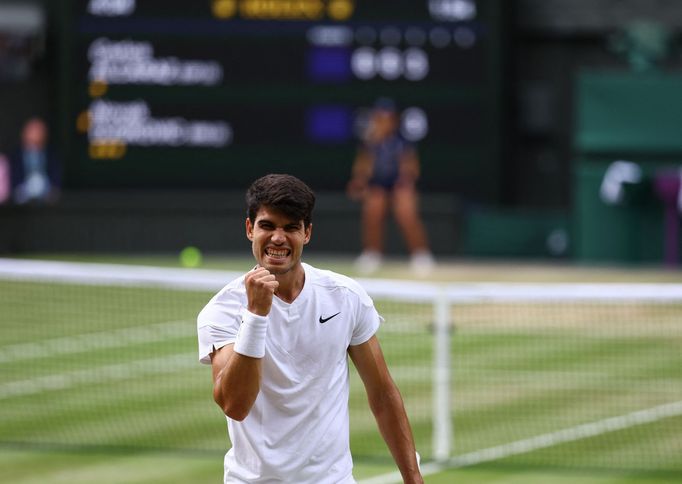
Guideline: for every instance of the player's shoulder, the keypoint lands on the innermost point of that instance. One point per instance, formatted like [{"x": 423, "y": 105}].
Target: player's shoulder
[
  {"x": 333, "y": 281},
  {"x": 232, "y": 294},
  {"x": 233, "y": 288},
  {"x": 327, "y": 278}
]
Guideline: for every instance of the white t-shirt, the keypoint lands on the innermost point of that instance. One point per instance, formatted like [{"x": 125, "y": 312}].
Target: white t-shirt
[{"x": 297, "y": 430}]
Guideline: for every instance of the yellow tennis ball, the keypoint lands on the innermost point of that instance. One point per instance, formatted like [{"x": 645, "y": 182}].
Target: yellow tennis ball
[{"x": 190, "y": 257}]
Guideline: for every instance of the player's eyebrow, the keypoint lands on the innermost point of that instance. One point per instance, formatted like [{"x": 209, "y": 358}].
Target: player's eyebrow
[{"x": 289, "y": 225}]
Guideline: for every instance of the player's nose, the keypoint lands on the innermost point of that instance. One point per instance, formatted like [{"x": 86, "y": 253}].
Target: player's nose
[{"x": 278, "y": 236}]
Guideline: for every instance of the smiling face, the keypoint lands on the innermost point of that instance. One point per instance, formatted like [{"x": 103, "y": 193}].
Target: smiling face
[{"x": 276, "y": 240}]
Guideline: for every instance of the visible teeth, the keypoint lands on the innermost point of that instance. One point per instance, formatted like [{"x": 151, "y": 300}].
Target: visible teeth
[{"x": 277, "y": 253}]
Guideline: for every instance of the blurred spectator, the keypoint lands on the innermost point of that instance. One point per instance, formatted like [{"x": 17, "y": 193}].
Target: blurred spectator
[
  {"x": 34, "y": 170},
  {"x": 385, "y": 172},
  {"x": 5, "y": 183}
]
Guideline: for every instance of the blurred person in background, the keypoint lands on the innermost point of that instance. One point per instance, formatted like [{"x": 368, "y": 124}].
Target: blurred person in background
[
  {"x": 385, "y": 172},
  {"x": 34, "y": 169}
]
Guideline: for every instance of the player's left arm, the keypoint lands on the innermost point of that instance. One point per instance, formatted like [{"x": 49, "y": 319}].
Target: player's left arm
[{"x": 387, "y": 406}]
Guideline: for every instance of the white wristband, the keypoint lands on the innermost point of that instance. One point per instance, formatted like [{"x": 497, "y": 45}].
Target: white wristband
[{"x": 251, "y": 336}]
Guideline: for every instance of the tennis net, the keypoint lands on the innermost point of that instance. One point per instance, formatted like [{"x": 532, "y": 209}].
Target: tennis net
[{"x": 575, "y": 375}]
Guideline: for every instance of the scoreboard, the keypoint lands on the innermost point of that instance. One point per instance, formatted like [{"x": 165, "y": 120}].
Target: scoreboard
[{"x": 214, "y": 93}]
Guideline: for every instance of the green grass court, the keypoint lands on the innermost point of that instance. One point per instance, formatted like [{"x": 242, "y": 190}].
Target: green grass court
[{"x": 102, "y": 384}]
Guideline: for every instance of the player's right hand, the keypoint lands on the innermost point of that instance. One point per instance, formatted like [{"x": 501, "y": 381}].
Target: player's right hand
[{"x": 260, "y": 288}]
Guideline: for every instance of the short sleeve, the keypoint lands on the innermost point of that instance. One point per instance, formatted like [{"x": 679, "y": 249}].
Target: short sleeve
[
  {"x": 218, "y": 324},
  {"x": 367, "y": 321}
]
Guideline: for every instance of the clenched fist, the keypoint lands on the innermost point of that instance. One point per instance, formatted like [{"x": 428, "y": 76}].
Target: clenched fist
[{"x": 260, "y": 287}]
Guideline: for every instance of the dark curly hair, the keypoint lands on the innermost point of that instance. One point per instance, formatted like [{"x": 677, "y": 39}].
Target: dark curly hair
[{"x": 284, "y": 193}]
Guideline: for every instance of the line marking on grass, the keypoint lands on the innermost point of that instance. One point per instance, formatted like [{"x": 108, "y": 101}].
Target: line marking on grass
[
  {"x": 95, "y": 375},
  {"x": 543, "y": 441},
  {"x": 84, "y": 342},
  {"x": 101, "y": 374}
]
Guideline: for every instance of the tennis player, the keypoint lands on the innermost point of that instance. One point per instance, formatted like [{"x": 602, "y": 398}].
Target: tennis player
[{"x": 277, "y": 339}]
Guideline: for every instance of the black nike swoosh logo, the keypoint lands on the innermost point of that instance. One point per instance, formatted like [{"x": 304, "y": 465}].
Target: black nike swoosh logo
[{"x": 324, "y": 320}]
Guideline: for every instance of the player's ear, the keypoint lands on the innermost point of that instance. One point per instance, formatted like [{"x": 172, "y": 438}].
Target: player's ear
[
  {"x": 308, "y": 233},
  {"x": 249, "y": 229}
]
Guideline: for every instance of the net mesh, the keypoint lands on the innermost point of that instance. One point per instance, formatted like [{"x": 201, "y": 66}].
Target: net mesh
[
  {"x": 95, "y": 365},
  {"x": 575, "y": 376},
  {"x": 591, "y": 384}
]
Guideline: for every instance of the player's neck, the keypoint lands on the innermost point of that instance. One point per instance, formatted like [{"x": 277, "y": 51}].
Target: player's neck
[{"x": 290, "y": 284}]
